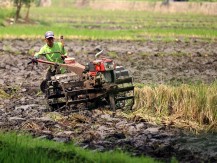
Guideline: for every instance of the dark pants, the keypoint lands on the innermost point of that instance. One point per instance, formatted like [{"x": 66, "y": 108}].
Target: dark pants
[{"x": 51, "y": 71}]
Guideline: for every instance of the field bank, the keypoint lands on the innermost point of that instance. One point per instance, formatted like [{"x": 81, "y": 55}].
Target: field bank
[{"x": 208, "y": 8}]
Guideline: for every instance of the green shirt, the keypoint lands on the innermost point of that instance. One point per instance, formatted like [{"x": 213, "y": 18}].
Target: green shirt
[{"x": 52, "y": 54}]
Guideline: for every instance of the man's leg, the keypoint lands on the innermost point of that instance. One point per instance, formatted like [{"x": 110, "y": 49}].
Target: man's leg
[{"x": 48, "y": 74}]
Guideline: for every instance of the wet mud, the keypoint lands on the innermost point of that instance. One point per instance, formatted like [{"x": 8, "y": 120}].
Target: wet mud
[{"x": 22, "y": 105}]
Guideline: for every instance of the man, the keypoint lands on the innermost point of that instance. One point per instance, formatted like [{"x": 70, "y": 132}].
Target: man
[{"x": 53, "y": 52}]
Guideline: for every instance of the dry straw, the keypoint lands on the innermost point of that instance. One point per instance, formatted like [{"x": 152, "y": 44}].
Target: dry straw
[{"x": 186, "y": 104}]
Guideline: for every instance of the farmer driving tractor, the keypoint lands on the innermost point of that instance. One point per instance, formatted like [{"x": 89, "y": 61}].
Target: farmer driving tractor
[
  {"x": 99, "y": 82},
  {"x": 53, "y": 52}
]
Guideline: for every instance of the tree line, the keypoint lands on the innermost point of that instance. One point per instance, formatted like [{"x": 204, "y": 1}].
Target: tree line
[{"x": 26, "y": 3}]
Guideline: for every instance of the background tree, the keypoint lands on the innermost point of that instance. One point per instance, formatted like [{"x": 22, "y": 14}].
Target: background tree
[
  {"x": 28, "y": 5},
  {"x": 18, "y": 4}
]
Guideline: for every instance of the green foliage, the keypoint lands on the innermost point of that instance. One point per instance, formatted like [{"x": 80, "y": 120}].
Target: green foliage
[
  {"x": 21, "y": 2},
  {"x": 18, "y": 4},
  {"x": 5, "y": 14},
  {"x": 23, "y": 148}
]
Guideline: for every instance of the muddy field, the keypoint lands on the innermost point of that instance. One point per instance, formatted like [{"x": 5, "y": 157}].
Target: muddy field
[{"x": 148, "y": 62}]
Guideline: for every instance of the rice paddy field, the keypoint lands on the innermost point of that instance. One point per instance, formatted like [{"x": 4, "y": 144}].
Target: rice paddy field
[
  {"x": 169, "y": 50},
  {"x": 89, "y": 23}
]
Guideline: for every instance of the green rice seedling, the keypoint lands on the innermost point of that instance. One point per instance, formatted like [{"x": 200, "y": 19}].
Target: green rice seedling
[
  {"x": 87, "y": 23},
  {"x": 16, "y": 147}
]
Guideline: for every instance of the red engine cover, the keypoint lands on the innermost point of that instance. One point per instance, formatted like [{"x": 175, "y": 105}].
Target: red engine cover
[{"x": 100, "y": 66}]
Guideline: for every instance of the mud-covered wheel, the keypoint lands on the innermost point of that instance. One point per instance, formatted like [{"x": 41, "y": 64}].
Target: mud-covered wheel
[
  {"x": 43, "y": 86},
  {"x": 54, "y": 96},
  {"x": 55, "y": 104},
  {"x": 122, "y": 97},
  {"x": 125, "y": 101},
  {"x": 124, "y": 94}
]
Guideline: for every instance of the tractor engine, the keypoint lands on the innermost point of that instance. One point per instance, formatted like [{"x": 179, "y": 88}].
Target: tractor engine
[{"x": 99, "y": 72}]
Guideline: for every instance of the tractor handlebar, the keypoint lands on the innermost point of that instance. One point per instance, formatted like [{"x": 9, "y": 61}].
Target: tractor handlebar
[{"x": 33, "y": 61}]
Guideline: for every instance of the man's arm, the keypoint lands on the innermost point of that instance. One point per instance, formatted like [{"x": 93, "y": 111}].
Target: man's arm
[{"x": 41, "y": 52}]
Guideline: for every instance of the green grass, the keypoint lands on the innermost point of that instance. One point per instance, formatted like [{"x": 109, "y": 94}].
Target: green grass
[
  {"x": 100, "y": 24},
  {"x": 23, "y": 148},
  {"x": 5, "y": 13}
]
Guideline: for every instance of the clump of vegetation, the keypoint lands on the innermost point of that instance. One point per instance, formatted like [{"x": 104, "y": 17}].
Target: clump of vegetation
[
  {"x": 3, "y": 94},
  {"x": 8, "y": 92},
  {"x": 23, "y": 148},
  {"x": 188, "y": 106}
]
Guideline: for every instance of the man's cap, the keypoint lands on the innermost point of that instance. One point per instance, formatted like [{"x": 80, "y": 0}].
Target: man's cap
[{"x": 49, "y": 34}]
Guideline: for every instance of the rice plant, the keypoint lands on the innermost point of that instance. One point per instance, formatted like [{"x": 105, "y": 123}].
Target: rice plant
[
  {"x": 16, "y": 147},
  {"x": 185, "y": 103}
]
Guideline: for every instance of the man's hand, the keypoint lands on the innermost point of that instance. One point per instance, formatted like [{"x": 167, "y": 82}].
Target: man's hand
[
  {"x": 63, "y": 57},
  {"x": 56, "y": 65},
  {"x": 33, "y": 61}
]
